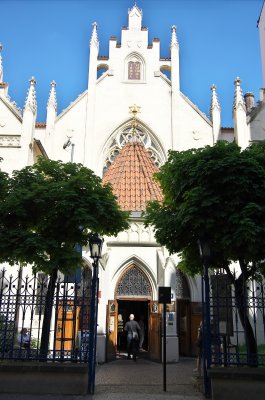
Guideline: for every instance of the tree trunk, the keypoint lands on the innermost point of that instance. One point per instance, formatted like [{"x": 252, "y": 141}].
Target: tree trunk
[
  {"x": 45, "y": 335},
  {"x": 241, "y": 303}
]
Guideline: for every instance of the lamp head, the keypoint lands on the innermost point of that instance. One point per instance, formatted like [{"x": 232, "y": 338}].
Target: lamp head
[
  {"x": 204, "y": 248},
  {"x": 95, "y": 246}
]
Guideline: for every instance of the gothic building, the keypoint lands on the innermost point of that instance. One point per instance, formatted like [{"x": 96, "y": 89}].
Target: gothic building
[{"x": 122, "y": 126}]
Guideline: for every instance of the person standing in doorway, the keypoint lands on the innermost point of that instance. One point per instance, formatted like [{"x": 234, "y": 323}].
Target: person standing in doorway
[{"x": 132, "y": 329}]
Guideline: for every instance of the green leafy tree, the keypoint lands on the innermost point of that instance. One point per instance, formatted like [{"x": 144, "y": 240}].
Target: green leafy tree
[
  {"x": 50, "y": 207},
  {"x": 215, "y": 194},
  {"x": 4, "y": 188}
]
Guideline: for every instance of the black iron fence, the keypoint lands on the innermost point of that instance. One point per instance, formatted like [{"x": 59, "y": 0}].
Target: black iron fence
[
  {"x": 23, "y": 303},
  {"x": 235, "y": 319}
]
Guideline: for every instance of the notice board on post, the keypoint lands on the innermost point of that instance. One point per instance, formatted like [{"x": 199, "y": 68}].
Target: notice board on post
[{"x": 164, "y": 294}]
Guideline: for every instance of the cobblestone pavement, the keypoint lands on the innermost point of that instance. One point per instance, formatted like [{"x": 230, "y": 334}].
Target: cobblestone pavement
[{"x": 124, "y": 379}]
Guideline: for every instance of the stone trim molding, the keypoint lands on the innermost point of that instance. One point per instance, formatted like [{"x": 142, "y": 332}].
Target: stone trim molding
[{"x": 9, "y": 141}]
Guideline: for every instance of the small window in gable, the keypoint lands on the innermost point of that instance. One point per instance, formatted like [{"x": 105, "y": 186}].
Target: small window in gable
[{"x": 134, "y": 70}]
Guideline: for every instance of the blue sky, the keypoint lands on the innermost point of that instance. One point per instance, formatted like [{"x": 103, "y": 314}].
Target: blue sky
[{"x": 49, "y": 39}]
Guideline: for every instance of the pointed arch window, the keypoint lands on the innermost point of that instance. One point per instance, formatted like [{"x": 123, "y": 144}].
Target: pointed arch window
[
  {"x": 133, "y": 283},
  {"x": 182, "y": 286},
  {"x": 123, "y": 135},
  {"x": 134, "y": 68}
]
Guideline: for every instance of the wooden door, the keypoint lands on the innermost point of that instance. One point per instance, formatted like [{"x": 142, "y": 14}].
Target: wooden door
[
  {"x": 154, "y": 331},
  {"x": 184, "y": 329},
  {"x": 112, "y": 317},
  {"x": 66, "y": 326}
]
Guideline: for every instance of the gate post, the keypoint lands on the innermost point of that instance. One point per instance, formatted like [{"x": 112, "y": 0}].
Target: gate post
[{"x": 205, "y": 257}]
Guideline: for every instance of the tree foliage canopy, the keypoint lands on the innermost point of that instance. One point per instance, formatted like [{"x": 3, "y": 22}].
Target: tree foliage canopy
[
  {"x": 49, "y": 208},
  {"x": 216, "y": 193},
  {"x": 4, "y": 184}
]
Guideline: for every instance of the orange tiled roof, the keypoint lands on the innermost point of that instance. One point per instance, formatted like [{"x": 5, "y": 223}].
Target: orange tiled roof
[
  {"x": 40, "y": 125},
  {"x": 131, "y": 177}
]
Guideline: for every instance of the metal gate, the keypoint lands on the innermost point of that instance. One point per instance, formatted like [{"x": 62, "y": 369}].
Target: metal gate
[{"x": 233, "y": 321}]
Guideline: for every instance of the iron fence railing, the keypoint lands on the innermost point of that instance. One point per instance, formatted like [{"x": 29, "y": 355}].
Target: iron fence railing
[
  {"x": 23, "y": 303},
  {"x": 233, "y": 322},
  {"x": 236, "y": 319}
]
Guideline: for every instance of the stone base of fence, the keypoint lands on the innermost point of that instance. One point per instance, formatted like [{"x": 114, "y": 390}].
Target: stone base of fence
[
  {"x": 239, "y": 383},
  {"x": 43, "y": 378}
]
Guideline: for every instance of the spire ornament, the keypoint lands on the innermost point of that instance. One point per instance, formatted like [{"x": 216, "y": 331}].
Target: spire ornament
[
  {"x": 138, "y": 9},
  {"x": 1, "y": 64},
  {"x": 52, "y": 101},
  {"x": 94, "y": 36},
  {"x": 238, "y": 97},
  {"x": 31, "y": 102},
  {"x": 214, "y": 103},
  {"x": 174, "y": 40}
]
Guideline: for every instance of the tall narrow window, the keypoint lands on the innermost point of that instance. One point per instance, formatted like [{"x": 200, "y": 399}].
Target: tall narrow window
[{"x": 134, "y": 70}]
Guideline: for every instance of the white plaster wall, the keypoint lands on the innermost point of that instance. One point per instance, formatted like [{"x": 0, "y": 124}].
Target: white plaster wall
[
  {"x": 71, "y": 122},
  {"x": 134, "y": 36},
  {"x": 11, "y": 159},
  {"x": 10, "y": 124},
  {"x": 39, "y": 134},
  {"x": 192, "y": 130},
  {"x": 256, "y": 127},
  {"x": 137, "y": 233},
  {"x": 228, "y": 136}
]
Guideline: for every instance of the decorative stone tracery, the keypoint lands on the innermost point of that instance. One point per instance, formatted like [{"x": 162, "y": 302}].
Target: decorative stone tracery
[
  {"x": 124, "y": 135},
  {"x": 134, "y": 283},
  {"x": 182, "y": 287},
  {"x": 9, "y": 141}
]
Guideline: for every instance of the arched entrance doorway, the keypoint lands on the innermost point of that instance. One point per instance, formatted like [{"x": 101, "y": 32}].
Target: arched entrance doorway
[{"x": 133, "y": 295}]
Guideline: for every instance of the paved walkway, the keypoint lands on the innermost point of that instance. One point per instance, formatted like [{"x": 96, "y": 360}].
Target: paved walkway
[
  {"x": 143, "y": 380},
  {"x": 124, "y": 379}
]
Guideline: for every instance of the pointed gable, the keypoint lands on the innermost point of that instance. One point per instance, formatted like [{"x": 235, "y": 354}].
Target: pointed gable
[
  {"x": 131, "y": 177},
  {"x": 135, "y": 18}
]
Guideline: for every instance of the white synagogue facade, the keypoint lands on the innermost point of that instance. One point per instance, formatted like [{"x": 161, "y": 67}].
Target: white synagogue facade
[{"x": 121, "y": 127}]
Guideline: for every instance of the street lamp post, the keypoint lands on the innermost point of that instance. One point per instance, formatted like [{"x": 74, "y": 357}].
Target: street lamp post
[
  {"x": 205, "y": 257},
  {"x": 95, "y": 246}
]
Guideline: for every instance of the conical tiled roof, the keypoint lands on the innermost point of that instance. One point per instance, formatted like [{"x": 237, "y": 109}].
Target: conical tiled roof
[{"x": 131, "y": 177}]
